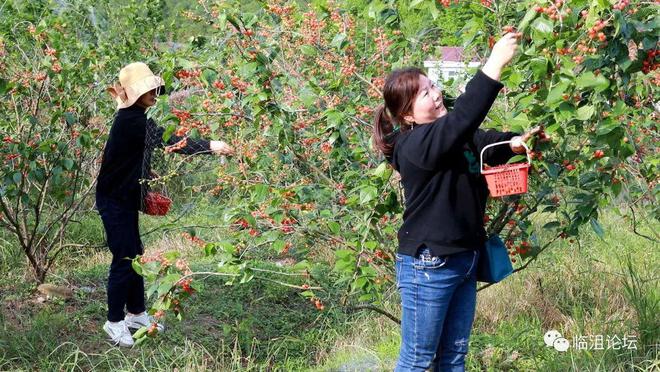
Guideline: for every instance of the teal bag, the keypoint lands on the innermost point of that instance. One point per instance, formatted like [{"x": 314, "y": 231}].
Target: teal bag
[{"x": 494, "y": 263}]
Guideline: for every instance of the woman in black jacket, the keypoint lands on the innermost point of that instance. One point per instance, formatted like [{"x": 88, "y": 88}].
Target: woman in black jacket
[
  {"x": 119, "y": 192},
  {"x": 436, "y": 153}
]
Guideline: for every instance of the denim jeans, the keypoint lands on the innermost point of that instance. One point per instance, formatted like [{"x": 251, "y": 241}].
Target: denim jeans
[
  {"x": 125, "y": 286},
  {"x": 438, "y": 296}
]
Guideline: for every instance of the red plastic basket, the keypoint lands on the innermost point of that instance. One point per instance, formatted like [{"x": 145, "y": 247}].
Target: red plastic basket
[
  {"x": 507, "y": 179},
  {"x": 156, "y": 204}
]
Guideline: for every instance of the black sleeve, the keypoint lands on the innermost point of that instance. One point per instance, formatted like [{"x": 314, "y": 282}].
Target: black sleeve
[
  {"x": 457, "y": 127},
  {"x": 495, "y": 155},
  {"x": 192, "y": 147}
]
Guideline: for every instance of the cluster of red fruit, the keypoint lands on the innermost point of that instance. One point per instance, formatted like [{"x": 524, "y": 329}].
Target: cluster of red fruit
[
  {"x": 622, "y": 4},
  {"x": 193, "y": 239},
  {"x": 280, "y": 10},
  {"x": 9, "y": 139},
  {"x": 311, "y": 28},
  {"x": 239, "y": 84},
  {"x": 177, "y": 146},
  {"x": 153, "y": 329},
  {"x": 567, "y": 164},
  {"x": 326, "y": 147},
  {"x": 10, "y": 157},
  {"x": 242, "y": 223},
  {"x": 56, "y": 67},
  {"x": 382, "y": 255},
  {"x": 649, "y": 63},
  {"x": 186, "y": 285},
  {"x": 182, "y": 115},
  {"x": 319, "y": 305},
  {"x": 348, "y": 66},
  {"x": 596, "y": 31},
  {"x": 310, "y": 141},
  {"x": 286, "y": 225},
  {"x": 186, "y": 74},
  {"x": 552, "y": 11},
  {"x": 447, "y": 3},
  {"x": 382, "y": 41},
  {"x": 523, "y": 248}
]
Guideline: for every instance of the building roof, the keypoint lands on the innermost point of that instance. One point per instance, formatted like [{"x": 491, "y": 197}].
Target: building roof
[{"x": 452, "y": 54}]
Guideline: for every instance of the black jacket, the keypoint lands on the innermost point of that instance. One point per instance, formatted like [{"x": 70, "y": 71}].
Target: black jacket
[
  {"x": 440, "y": 172},
  {"x": 127, "y": 156}
]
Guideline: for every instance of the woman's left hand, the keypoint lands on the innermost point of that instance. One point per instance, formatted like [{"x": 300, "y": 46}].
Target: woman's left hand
[{"x": 517, "y": 141}]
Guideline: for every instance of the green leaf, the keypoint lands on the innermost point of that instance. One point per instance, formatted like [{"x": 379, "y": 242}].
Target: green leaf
[
  {"x": 551, "y": 225},
  {"x": 344, "y": 254},
  {"x": 334, "y": 227},
  {"x": 585, "y": 113},
  {"x": 518, "y": 159},
  {"x": 279, "y": 245},
  {"x": 338, "y": 40},
  {"x": 17, "y": 177},
  {"x": 539, "y": 67},
  {"x": 209, "y": 76},
  {"x": 210, "y": 249},
  {"x": 556, "y": 93},
  {"x": 383, "y": 171},
  {"x": 140, "y": 333},
  {"x": 5, "y": 86},
  {"x": 529, "y": 16},
  {"x": 69, "y": 118},
  {"x": 589, "y": 80},
  {"x": 68, "y": 164},
  {"x": 307, "y": 96},
  {"x": 543, "y": 26},
  {"x": 367, "y": 194},
  {"x": 308, "y": 50},
  {"x": 136, "y": 266},
  {"x": 259, "y": 193}
]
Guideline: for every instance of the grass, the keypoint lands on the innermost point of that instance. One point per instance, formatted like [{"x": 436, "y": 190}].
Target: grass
[{"x": 592, "y": 287}]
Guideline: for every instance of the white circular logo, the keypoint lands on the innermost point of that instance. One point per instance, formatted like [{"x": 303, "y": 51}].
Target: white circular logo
[
  {"x": 550, "y": 337},
  {"x": 561, "y": 344}
]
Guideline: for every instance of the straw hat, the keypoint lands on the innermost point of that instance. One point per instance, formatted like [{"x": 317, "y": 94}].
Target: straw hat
[{"x": 135, "y": 80}]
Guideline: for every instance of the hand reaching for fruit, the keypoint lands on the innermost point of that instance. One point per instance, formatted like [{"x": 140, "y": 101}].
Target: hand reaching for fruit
[
  {"x": 517, "y": 141},
  {"x": 501, "y": 54},
  {"x": 221, "y": 148}
]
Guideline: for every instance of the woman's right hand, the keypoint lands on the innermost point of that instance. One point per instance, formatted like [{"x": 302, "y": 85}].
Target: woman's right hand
[
  {"x": 502, "y": 53},
  {"x": 221, "y": 148}
]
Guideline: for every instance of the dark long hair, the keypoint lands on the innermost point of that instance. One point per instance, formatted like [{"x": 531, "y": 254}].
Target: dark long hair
[{"x": 399, "y": 94}]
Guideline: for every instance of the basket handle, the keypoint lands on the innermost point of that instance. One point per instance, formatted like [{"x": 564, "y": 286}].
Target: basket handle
[{"x": 481, "y": 156}]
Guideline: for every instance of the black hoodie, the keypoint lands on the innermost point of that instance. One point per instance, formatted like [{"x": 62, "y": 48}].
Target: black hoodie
[
  {"x": 440, "y": 171},
  {"x": 127, "y": 149}
]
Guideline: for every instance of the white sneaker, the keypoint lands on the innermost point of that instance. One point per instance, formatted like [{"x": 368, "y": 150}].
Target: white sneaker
[
  {"x": 142, "y": 320},
  {"x": 119, "y": 333}
]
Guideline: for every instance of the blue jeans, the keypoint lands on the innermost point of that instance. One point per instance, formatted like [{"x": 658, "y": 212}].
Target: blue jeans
[{"x": 439, "y": 297}]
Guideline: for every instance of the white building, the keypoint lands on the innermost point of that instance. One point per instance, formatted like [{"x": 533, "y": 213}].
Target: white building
[{"x": 450, "y": 66}]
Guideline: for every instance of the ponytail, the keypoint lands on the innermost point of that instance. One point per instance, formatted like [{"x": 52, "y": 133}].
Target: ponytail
[
  {"x": 383, "y": 132},
  {"x": 399, "y": 94}
]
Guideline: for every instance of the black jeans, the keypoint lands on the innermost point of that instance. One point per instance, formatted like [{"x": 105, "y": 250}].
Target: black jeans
[{"x": 125, "y": 286}]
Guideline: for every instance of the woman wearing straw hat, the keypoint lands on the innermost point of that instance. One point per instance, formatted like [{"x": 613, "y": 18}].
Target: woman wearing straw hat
[{"x": 126, "y": 158}]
